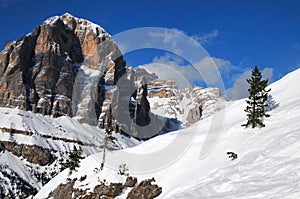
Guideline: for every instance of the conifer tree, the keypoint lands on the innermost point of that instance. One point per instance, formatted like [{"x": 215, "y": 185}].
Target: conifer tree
[
  {"x": 108, "y": 136},
  {"x": 73, "y": 162},
  {"x": 258, "y": 95}
]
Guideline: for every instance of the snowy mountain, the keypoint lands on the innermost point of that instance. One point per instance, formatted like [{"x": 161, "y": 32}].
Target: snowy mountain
[
  {"x": 65, "y": 82},
  {"x": 55, "y": 82},
  {"x": 267, "y": 166}
]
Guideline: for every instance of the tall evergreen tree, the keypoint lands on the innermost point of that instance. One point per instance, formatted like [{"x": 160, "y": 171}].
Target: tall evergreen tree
[
  {"x": 258, "y": 95},
  {"x": 73, "y": 162}
]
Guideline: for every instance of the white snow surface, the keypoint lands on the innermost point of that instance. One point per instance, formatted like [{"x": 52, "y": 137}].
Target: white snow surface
[
  {"x": 56, "y": 134},
  {"x": 47, "y": 131},
  {"x": 268, "y": 163}
]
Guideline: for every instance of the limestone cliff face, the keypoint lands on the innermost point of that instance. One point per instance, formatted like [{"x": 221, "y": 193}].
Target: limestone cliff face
[
  {"x": 70, "y": 66},
  {"x": 62, "y": 68}
]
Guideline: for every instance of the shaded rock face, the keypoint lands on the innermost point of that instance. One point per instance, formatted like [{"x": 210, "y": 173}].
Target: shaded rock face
[
  {"x": 134, "y": 118},
  {"x": 141, "y": 116},
  {"x": 61, "y": 68},
  {"x": 31, "y": 153}
]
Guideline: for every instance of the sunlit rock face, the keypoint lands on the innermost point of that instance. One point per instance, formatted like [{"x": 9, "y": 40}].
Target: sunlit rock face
[{"x": 62, "y": 68}]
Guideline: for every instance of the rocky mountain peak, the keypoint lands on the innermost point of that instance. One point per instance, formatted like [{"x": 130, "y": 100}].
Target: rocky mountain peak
[{"x": 60, "y": 68}]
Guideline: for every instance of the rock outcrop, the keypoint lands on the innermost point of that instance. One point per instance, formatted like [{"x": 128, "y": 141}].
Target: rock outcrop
[
  {"x": 32, "y": 153},
  {"x": 130, "y": 181},
  {"x": 162, "y": 89},
  {"x": 145, "y": 190},
  {"x": 188, "y": 105}
]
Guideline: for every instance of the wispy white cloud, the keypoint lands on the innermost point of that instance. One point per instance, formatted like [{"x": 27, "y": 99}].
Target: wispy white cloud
[
  {"x": 267, "y": 73},
  {"x": 170, "y": 37},
  {"x": 170, "y": 67},
  {"x": 296, "y": 45},
  {"x": 206, "y": 38},
  {"x": 174, "y": 37},
  {"x": 208, "y": 66},
  {"x": 4, "y": 4},
  {"x": 241, "y": 86}
]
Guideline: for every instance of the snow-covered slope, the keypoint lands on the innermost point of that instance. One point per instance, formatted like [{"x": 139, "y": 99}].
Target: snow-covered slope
[
  {"x": 268, "y": 163},
  {"x": 21, "y": 132},
  {"x": 58, "y": 134}
]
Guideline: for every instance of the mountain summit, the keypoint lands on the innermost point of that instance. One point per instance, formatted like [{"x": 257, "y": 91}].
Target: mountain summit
[{"x": 50, "y": 70}]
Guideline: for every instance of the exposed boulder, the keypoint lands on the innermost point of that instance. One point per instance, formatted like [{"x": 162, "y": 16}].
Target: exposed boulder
[
  {"x": 112, "y": 190},
  {"x": 194, "y": 114},
  {"x": 130, "y": 181},
  {"x": 145, "y": 190},
  {"x": 65, "y": 191}
]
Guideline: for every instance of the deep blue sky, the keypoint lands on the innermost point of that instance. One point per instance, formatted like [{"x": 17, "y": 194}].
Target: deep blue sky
[{"x": 264, "y": 33}]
